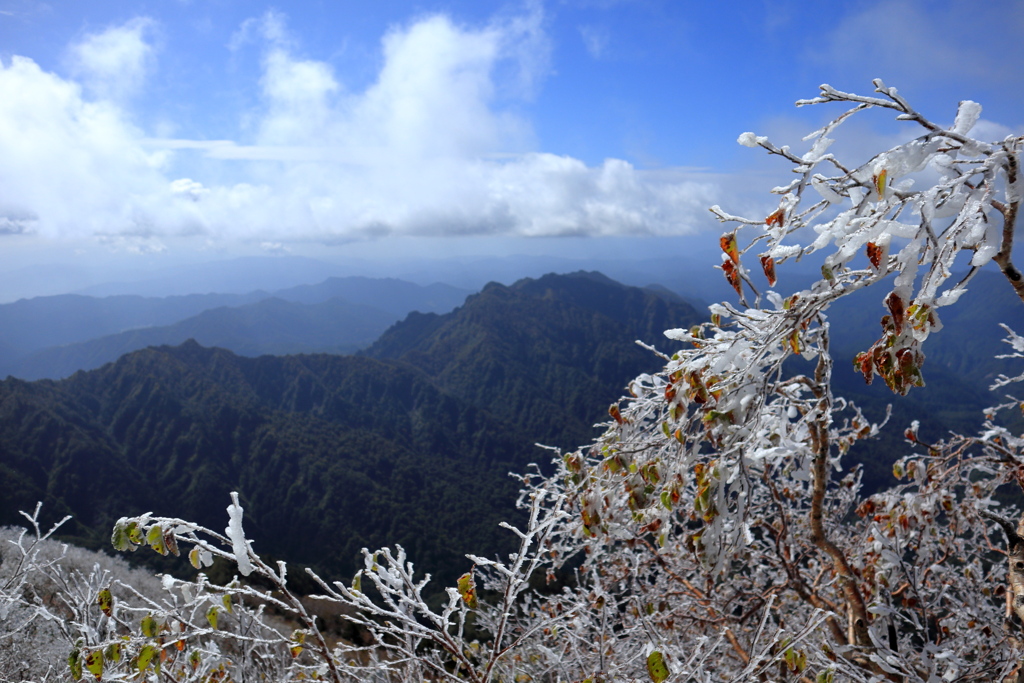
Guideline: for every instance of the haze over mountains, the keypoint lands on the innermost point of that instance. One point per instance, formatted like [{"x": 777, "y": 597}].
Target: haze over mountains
[{"x": 52, "y": 337}]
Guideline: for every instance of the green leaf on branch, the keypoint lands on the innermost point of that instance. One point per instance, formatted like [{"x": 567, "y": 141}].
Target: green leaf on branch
[
  {"x": 135, "y": 534},
  {"x": 657, "y": 669},
  {"x": 211, "y": 616},
  {"x": 106, "y": 602},
  {"x": 94, "y": 663},
  {"x": 119, "y": 538},
  {"x": 467, "y": 589},
  {"x": 75, "y": 663},
  {"x": 146, "y": 655},
  {"x": 149, "y": 626},
  {"x": 113, "y": 652},
  {"x": 298, "y": 640},
  {"x": 155, "y": 539}
]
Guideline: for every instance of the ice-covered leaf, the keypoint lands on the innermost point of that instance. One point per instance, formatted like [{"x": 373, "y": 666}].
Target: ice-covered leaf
[
  {"x": 729, "y": 246},
  {"x": 119, "y": 538},
  {"x": 75, "y": 663},
  {"x": 967, "y": 114},
  {"x": 237, "y": 536},
  {"x": 171, "y": 543},
  {"x": 895, "y": 305},
  {"x": 193, "y": 557},
  {"x": 875, "y": 254},
  {"x": 106, "y": 602},
  {"x": 94, "y": 663},
  {"x": 657, "y": 669},
  {"x": 155, "y": 539},
  {"x": 211, "y": 616},
  {"x": 467, "y": 589},
  {"x": 881, "y": 183},
  {"x": 149, "y": 626},
  {"x": 768, "y": 266},
  {"x": 135, "y": 533},
  {"x": 750, "y": 139},
  {"x": 733, "y": 276},
  {"x": 146, "y": 655},
  {"x": 298, "y": 640}
]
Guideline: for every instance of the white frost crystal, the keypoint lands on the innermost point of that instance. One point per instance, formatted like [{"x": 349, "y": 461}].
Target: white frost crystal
[
  {"x": 966, "y": 116},
  {"x": 750, "y": 140},
  {"x": 237, "y": 536}
]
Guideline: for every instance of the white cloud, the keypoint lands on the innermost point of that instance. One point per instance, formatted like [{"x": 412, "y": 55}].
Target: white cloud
[
  {"x": 431, "y": 147},
  {"x": 114, "y": 63},
  {"x": 188, "y": 188},
  {"x": 595, "y": 39},
  {"x": 67, "y": 165}
]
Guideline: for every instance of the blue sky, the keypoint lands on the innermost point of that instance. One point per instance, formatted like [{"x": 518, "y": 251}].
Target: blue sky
[{"x": 182, "y": 128}]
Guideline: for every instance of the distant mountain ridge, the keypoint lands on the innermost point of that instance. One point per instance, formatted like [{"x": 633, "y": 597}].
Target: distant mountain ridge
[
  {"x": 53, "y": 337},
  {"x": 268, "y": 327}
]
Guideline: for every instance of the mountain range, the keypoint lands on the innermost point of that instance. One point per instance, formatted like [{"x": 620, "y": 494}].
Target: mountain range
[
  {"x": 53, "y": 337},
  {"x": 409, "y": 443}
]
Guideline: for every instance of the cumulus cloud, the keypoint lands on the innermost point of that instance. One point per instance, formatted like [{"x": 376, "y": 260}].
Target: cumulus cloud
[
  {"x": 115, "y": 62},
  {"x": 67, "y": 165},
  {"x": 433, "y": 146}
]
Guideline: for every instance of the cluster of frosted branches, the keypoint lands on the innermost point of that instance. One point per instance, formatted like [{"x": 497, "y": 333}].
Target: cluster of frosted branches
[
  {"x": 712, "y": 489},
  {"x": 65, "y": 610},
  {"x": 200, "y": 631}
]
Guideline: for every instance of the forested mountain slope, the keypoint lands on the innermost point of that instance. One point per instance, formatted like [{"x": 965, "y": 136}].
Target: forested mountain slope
[
  {"x": 330, "y": 453},
  {"x": 334, "y": 453},
  {"x": 410, "y": 443},
  {"x": 548, "y": 354}
]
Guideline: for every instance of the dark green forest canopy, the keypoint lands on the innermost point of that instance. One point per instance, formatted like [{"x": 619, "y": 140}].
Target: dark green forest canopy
[{"x": 410, "y": 444}]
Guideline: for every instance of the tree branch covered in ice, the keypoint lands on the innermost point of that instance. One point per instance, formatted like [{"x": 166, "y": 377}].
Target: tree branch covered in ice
[{"x": 713, "y": 487}]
